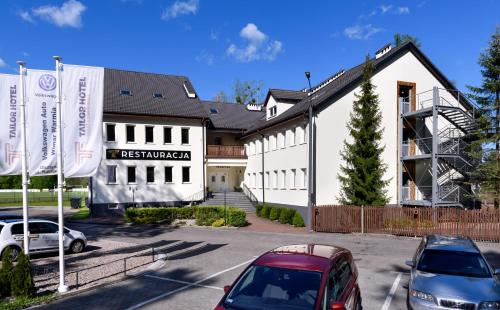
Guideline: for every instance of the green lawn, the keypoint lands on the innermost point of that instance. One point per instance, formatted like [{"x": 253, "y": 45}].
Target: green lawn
[
  {"x": 37, "y": 198},
  {"x": 82, "y": 214},
  {"x": 25, "y": 302}
]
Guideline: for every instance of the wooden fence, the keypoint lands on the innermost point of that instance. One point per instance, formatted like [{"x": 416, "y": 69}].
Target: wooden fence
[{"x": 480, "y": 225}]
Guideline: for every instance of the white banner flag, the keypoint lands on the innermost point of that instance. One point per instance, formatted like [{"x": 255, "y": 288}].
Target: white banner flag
[
  {"x": 41, "y": 122},
  {"x": 83, "y": 91},
  {"x": 10, "y": 125}
]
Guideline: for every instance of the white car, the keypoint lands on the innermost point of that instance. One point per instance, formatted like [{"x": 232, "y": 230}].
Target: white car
[{"x": 43, "y": 237}]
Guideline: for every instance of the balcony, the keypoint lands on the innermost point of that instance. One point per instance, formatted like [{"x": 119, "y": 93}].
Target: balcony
[{"x": 226, "y": 151}]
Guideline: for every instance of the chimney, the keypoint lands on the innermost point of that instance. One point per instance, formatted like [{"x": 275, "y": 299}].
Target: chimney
[{"x": 384, "y": 50}]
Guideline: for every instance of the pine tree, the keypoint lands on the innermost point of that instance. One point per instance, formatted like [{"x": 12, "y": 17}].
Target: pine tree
[
  {"x": 22, "y": 279},
  {"x": 5, "y": 273},
  {"x": 400, "y": 38},
  {"x": 362, "y": 173},
  {"x": 487, "y": 96}
]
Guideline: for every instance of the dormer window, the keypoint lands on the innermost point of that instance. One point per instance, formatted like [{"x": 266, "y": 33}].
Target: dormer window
[
  {"x": 158, "y": 95},
  {"x": 214, "y": 111},
  {"x": 125, "y": 92},
  {"x": 273, "y": 111}
]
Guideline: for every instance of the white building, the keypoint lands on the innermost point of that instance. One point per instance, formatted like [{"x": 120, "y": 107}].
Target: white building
[{"x": 273, "y": 154}]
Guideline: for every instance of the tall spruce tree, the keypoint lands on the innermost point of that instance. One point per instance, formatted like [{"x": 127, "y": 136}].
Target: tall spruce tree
[
  {"x": 362, "y": 173},
  {"x": 487, "y": 96}
]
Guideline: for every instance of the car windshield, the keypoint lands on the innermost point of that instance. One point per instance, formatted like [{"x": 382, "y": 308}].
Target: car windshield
[
  {"x": 454, "y": 263},
  {"x": 263, "y": 287}
]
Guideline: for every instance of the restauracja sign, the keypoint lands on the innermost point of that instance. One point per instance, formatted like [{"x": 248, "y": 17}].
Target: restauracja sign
[{"x": 147, "y": 154}]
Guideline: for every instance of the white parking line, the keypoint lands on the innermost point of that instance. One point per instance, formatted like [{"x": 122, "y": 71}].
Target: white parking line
[
  {"x": 389, "y": 297},
  {"x": 139, "y": 305},
  {"x": 183, "y": 282}
]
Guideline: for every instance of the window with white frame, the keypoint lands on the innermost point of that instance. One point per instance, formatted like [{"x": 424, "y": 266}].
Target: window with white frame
[
  {"x": 110, "y": 133},
  {"x": 259, "y": 182},
  {"x": 275, "y": 179},
  {"x": 186, "y": 174},
  {"x": 149, "y": 134},
  {"x": 303, "y": 130},
  {"x": 111, "y": 174},
  {"x": 168, "y": 174},
  {"x": 293, "y": 175},
  {"x": 130, "y": 133},
  {"x": 252, "y": 148},
  {"x": 283, "y": 179},
  {"x": 258, "y": 146},
  {"x": 267, "y": 180},
  {"x": 253, "y": 180},
  {"x": 273, "y": 111},
  {"x": 167, "y": 135},
  {"x": 266, "y": 144},
  {"x": 281, "y": 140},
  {"x": 303, "y": 178},
  {"x": 185, "y": 136},
  {"x": 273, "y": 142},
  {"x": 292, "y": 137},
  {"x": 150, "y": 174},
  {"x": 131, "y": 174}
]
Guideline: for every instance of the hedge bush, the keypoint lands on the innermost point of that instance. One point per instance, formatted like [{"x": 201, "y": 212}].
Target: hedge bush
[
  {"x": 150, "y": 215},
  {"x": 236, "y": 217},
  {"x": 298, "y": 221},
  {"x": 6, "y": 273},
  {"x": 218, "y": 223},
  {"x": 22, "y": 280},
  {"x": 266, "y": 209},
  {"x": 275, "y": 213},
  {"x": 205, "y": 216},
  {"x": 286, "y": 216},
  {"x": 258, "y": 209}
]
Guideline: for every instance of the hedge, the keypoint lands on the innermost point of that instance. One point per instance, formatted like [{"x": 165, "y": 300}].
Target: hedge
[
  {"x": 266, "y": 209},
  {"x": 286, "y": 216},
  {"x": 298, "y": 221},
  {"x": 275, "y": 213},
  {"x": 204, "y": 215}
]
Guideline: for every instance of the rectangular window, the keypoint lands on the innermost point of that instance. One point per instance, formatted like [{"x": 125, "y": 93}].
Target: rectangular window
[
  {"x": 292, "y": 178},
  {"x": 260, "y": 180},
  {"x": 185, "y": 136},
  {"x": 167, "y": 135},
  {"x": 252, "y": 148},
  {"x": 110, "y": 133},
  {"x": 283, "y": 179},
  {"x": 130, "y": 133},
  {"x": 131, "y": 174},
  {"x": 282, "y": 139},
  {"x": 111, "y": 174},
  {"x": 186, "y": 178},
  {"x": 266, "y": 144},
  {"x": 303, "y": 134},
  {"x": 303, "y": 178},
  {"x": 168, "y": 174},
  {"x": 253, "y": 180},
  {"x": 292, "y": 137},
  {"x": 275, "y": 179},
  {"x": 273, "y": 144},
  {"x": 267, "y": 181},
  {"x": 150, "y": 174},
  {"x": 149, "y": 134},
  {"x": 273, "y": 111},
  {"x": 258, "y": 146}
]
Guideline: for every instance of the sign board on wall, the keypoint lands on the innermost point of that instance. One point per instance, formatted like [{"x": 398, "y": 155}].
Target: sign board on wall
[{"x": 147, "y": 154}]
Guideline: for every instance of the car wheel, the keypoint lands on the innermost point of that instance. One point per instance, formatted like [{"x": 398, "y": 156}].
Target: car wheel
[
  {"x": 77, "y": 246},
  {"x": 14, "y": 252}
]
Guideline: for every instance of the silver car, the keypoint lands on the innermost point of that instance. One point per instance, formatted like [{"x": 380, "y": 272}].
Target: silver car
[
  {"x": 43, "y": 237},
  {"x": 451, "y": 273}
]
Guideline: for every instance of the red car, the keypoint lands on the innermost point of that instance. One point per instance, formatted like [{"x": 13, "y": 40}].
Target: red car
[{"x": 309, "y": 276}]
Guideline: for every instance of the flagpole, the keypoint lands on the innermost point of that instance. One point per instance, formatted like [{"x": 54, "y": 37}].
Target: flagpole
[
  {"x": 60, "y": 178},
  {"x": 24, "y": 161}
]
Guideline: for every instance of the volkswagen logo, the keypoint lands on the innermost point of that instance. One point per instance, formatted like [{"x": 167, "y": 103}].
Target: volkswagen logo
[{"x": 47, "y": 82}]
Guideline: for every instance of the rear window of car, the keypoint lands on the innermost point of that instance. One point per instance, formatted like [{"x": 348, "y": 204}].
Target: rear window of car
[
  {"x": 453, "y": 263},
  {"x": 263, "y": 287}
]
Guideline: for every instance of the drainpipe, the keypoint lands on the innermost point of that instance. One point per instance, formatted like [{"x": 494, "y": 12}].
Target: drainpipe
[
  {"x": 203, "y": 124},
  {"x": 262, "y": 149},
  {"x": 310, "y": 187}
]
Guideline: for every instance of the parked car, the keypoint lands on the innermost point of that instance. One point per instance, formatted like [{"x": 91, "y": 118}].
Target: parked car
[
  {"x": 43, "y": 236},
  {"x": 450, "y": 272},
  {"x": 308, "y": 276}
]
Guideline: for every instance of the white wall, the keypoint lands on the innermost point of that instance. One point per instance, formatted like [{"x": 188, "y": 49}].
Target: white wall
[
  {"x": 159, "y": 191},
  {"x": 280, "y": 106}
]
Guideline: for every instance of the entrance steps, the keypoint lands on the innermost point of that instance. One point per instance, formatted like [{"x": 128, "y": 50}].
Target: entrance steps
[{"x": 233, "y": 199}]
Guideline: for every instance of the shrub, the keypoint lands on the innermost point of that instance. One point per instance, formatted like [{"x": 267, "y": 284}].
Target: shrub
[
  {"x": 5, "y": 273},
  {"x": 258, "y": 209},
  {"x": 286, "y": 216},
  {"x": 266, "y": 209},
  {"x": 150, "y": 215},
  {"x": 298, "y": 221},
  {"x": 275, "y": 213},
  {"x": 185, "y": 213},
  {"x": 218, "y": 223},
  {"x": 22, "y": 279},
  {"x": 236, "y": 217},
  {"x": 206, "y": 215}
]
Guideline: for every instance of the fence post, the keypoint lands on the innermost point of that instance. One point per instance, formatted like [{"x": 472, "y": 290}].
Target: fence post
[
  {"x": 77, "y": 279},
  {"x": 125, "y": 266},
  {"x": 362, "y": 219},
  {"x": 153, "y": 254}
]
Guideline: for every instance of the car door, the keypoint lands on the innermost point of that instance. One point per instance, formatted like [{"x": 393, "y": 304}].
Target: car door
[
  {"x": 17, "y": 233},
  {"x": 48, "y": 236},
  {"x": 342, "y": 285}
]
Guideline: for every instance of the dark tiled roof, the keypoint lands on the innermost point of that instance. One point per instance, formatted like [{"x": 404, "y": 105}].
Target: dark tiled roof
[
  {"x": 287, "y": 95},
  {"x": 351, "y": 78},
  {"x": 175, "y": 101},
  {"x": 231, "y": 115}
]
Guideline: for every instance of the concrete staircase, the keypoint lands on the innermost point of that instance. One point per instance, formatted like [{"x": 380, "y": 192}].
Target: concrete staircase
[{"x": 233, "y": 199}]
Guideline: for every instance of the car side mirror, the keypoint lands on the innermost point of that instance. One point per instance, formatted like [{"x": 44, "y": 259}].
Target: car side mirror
[
  {"x": 497, "y": 271},
  {"x": 338, "y": 306},
  {"x": 227, "y": 288},
  {"x": 409, "y": 263}
]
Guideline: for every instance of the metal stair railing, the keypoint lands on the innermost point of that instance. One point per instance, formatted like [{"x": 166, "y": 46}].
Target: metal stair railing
[
  {"x": 196, "y": 197},
  {"x": 253, "y": 199}
]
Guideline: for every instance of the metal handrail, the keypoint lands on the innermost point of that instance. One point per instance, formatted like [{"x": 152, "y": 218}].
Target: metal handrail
[
  {"x": 253, "y": 199},
  {"x": 198, "y": 196}
]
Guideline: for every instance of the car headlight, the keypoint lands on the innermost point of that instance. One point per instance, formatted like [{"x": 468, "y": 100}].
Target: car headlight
[
  {"x": 423, "y": 296},
  {"x": 489, "y": 305}
]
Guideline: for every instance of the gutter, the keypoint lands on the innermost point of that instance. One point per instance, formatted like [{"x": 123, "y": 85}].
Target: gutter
[
  {"x": 262, "y": 149},
  {"x": 311, "y": 172}
]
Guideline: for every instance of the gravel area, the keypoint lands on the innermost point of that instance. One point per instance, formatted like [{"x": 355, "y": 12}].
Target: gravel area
[{"x": 102, "y": 261}]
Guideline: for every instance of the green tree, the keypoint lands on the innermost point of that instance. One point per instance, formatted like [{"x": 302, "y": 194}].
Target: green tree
[
  {"x": 5, "y": 273},
  {"x": 221, "y": 97},
  {"x": 10, "y": 182},
  {"x": 22, "y": 279},
  {"x": 400, "y": 38},
  {"x": 362, "y": 173},
  {"x": 487, "y": 174},
  {"x": 43, "y": 182},
  {"x": 248, "y": 91}
]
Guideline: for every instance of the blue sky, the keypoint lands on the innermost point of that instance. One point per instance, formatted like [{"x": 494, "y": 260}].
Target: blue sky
[{"x": 216, "y": 42}]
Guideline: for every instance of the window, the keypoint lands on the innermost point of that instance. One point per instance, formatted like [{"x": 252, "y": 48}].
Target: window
[
  {"x": 292, "y": 178},
  {"x": 267, "y": 181},
  {"x": 283, "y": 179},
  {"x": 167, "y": 135},
  {"x": 125, "y": 92},
  {"x": 282, "y": 139},
  {"x": 185, "y": 136},
  {"x": 303, "y": 134},
  {"x": 252, "y": 148},
  {"x": 259, "y": 182},
  {"x": 303, "y": 178},
  {"x": 275, "y": 179},
  {"x": 150, "y": 174},
  {"x": 47, "y": 228},
  {"x": 272, "y": 111},
  {"x": 131, "y": 174},
  {"x": 266, "y": 144},
  {"x": 258, "y": 146},
  {"x": 149, "y": 134},
  {"x": 273, "y": 142},
  {"x": 186, "y": 178},
  {"x": 213, "y": 111},
  {"x": 157, "y": 95},
  {"x": 168, "y": 174},
  {"x": 110, "y": 133},
  {"x": 111, "y": 174},
  {"x": 130, "y": 133},
  {"x": 253, "y": 180},
  {"x": 292, "y": 137},
  {"x": 339, "y": 279}
]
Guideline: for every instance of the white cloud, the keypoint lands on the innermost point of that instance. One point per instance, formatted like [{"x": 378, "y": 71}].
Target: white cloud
[
  {"x": 205, "y": 57},
  {"x": 214, "y": 35},
  {"x": 25, "y": 15},
  {"x": 385, "y": 8},
  {"x": 3, "y": 64},
  {"x": 180, "y": 8},
  {"x": 361, "y": 32},
  {"x": 403, "y": 10},
  {"x": 68, "y": 15},
  {"x": 258, "y": 46}
]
